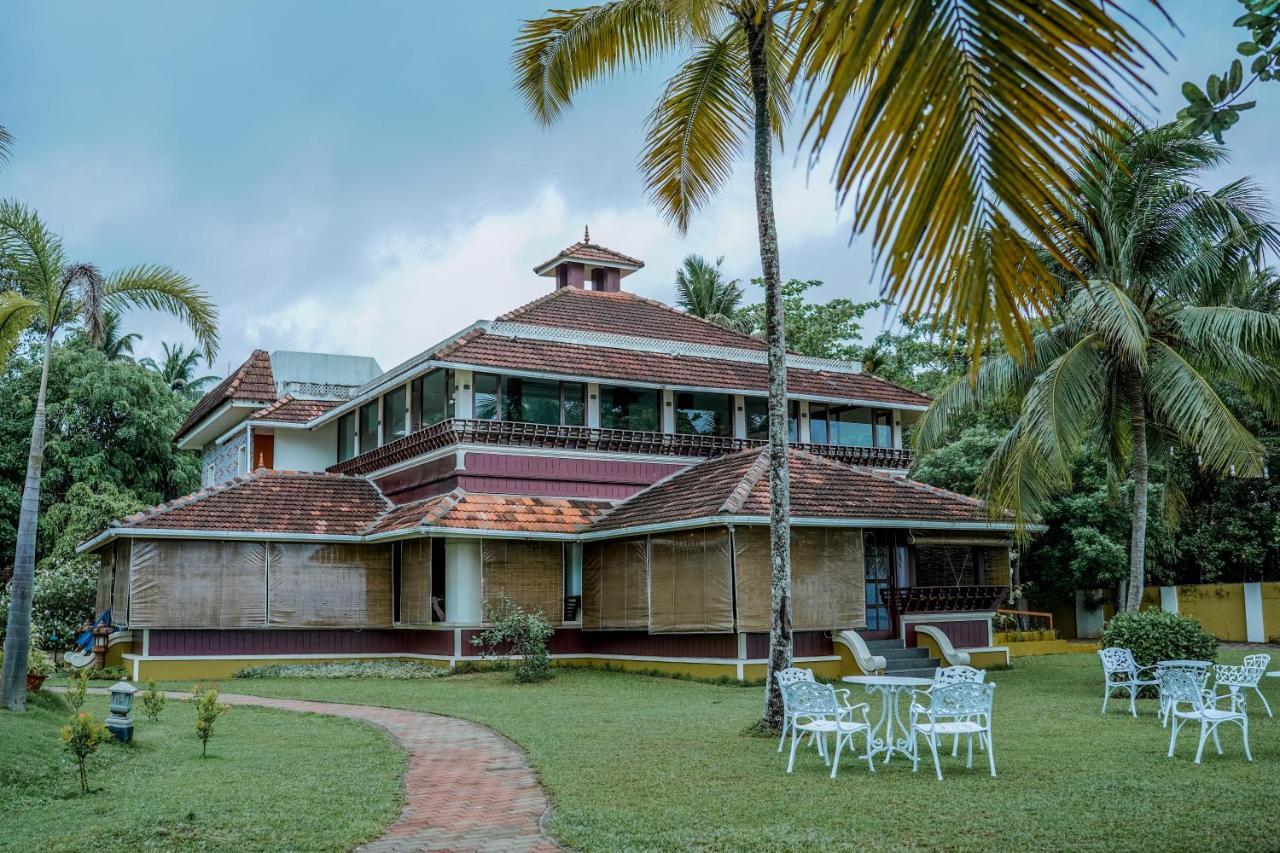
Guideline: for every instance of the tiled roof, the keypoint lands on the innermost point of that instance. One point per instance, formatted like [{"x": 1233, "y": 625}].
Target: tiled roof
[
  {"x": 485, "y": 350},
  {"x": 583, "y": 250},
  {"x": 272, "y": 502},
  {"x": 738, "y": 484},
  {"x": 289, "y": 409},
  {"x": 623, "y": 313},
  {"x": 251, "y": 381},
  {"x": 509, "y": 513}
]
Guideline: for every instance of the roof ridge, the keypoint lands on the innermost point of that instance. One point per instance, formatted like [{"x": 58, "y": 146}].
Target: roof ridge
[
  {"x": 747, "y": 483},
  {"x": 446, "y": 505},
  {"x": 187, "y": 499}
]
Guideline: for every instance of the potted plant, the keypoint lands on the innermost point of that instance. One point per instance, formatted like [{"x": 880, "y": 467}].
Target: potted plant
[{"x": 39, "y": 667}]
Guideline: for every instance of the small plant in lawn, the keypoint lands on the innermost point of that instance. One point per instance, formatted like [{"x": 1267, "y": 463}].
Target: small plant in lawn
[
  {"x": 512, "y": 631},
  {"x": 1154, "y": 635},
  {"x": 81, "y": 737},
  {"x": 208, "y": 711},
  {"x": 77, "y": 684},
  {"x": 39, "y": 663},
  {"x": 152, "y": 702}
]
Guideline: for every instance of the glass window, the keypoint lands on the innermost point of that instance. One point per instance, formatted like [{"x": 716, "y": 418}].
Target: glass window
[
  {"x": 699, "y": 413},
  {"x": 368, "y": 426},
  {"x": 882, "y": 429},
  {"x": 630, "y": 408},
  {"x": 487, "y": 388},
  {"x": 393, "y": 411},
  {"x": 346, "y": 436},
  {"x": 535, "y": 401},
  {"x": 757, "y": 410},
  {"x": 574, "y": 405},
  {"x": 433, "y": 396},
  {"x": 848, "y": 426}
]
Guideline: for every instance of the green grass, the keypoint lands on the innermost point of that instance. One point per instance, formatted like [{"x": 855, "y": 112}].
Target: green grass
[
  {"x": 644, "y": 763},
  {"x": 273, "y": 781}
]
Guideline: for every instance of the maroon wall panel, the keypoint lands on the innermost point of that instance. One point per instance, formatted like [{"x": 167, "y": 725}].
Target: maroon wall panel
[
  {"x": 807, "y": 644},
  {"x": 300, "y": 642},
  {"x": 560, "y": 476},
  {"x": 420, "y": 481},
  {"x": 641, "y": 644},
  {"x": 962, "y": 634}
]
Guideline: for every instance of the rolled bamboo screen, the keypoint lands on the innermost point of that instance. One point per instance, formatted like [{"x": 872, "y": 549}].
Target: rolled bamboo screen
[
  {"x": 615, "y": 587},
  {"x": 120, "y": 583},
  {"x": 827, "y": 578},
  {"x": 690, "y": 582},
  {"x": 997, "y": 563},
  {"x": 415, "y": 582},
  {"x": 530, "y": 573},
  {"x": 106, "y": 574},
  {"x": 196, "y": 584},
  {"x": 329, "y": 585}
]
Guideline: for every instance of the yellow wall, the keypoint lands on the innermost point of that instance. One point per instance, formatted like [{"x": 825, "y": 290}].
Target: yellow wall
[
  {"x": 1218, "y": 606},
  {"x": 1271, "y": 611},
  {"x": 116, "y": 653},
  {"x": 161, "y": 669}
]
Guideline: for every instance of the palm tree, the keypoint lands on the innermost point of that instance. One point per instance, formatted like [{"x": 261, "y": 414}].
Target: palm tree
[
  {"x": 6, "y": 144},
  {"x": 115, "y": 346},
  {"x": 178, "y": 370},
  {"x": 962, "y": 115},
  {"x": 1131, "y": 355},
  {"x": 701, "y": 289},
  {"x": 40, "y": 290}
]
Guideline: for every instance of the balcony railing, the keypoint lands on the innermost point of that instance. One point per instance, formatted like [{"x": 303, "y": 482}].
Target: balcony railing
[
  {"x": 516, "y": 434},
  {"x": 946, "y": 599}
]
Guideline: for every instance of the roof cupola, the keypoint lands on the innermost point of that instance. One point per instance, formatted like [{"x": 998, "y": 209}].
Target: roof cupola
[{"x": 589, "y": 266}]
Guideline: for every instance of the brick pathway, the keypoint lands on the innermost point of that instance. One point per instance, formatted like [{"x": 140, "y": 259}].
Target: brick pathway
[{"x": 466, "y": 787}]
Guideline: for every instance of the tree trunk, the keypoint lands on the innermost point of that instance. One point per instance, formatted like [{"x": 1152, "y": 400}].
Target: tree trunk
[
  {"x": 779, "y": 484},
  {"x": 1138, "y": 533},
  {"x": 17, "y": 642}
]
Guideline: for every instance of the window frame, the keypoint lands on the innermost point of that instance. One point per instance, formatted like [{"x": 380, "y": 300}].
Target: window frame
[{"x": 658, "y": 408}]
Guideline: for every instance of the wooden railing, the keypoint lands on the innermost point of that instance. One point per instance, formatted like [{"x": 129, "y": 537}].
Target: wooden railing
[
  {"x": 945, "y": 599},
  {"x": 517, "y": 434}
]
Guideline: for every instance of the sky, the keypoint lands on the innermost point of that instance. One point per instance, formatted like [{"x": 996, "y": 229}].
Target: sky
[{"x": 362, "y": 178}]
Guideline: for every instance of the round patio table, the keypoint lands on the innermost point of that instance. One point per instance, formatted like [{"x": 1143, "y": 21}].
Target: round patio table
[
  {"x": 1183, "y": 664},
  {"x": 885, "y": 734}
]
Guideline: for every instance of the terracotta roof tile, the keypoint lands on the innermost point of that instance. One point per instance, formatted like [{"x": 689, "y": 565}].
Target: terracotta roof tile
[
  {"x": 508, "y": 513},
  {"x": 738, "y": 484},
  {"x": 584, "y": 250},
  {"x": 251, "y": 381},
  {"x": 289, "y": 409}
]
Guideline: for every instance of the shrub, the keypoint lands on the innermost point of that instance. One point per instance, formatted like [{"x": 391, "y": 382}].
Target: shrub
[
  {"x": 515, "y": 632},
  {"x": 152, "y": 701},
  {"x": 77, "y": 684},
  {"x": 389, "y": 669},
  {"x": 1154, "y": 635},
  {"x": 81, "y": 737},
  {"x": 207, "y": 713}
]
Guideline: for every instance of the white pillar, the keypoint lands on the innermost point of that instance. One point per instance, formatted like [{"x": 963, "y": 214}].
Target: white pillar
[
  {"x": 1169, "y": 599},
  {"x": 463, "y": 398},
  {"x": 462, "y": 581},
  {"x": 1254, "y": 629},
  {"x": 897, "y": 429},
  {"x": 739, "y": 416},
  {"x": 593, "y": 405},
  {"x": 668, "y": 410},
  {"x": 803, "y": 434}
]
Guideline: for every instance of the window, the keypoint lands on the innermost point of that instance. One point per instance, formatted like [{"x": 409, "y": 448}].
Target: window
[
  {"x": 535, "y": 401},
  {"x": 573, "y": 582},
  {"x": 573, "y": 396},
  {"x": 487, "y": 387},
  {"x": 699, "y": 413},
  {"x": 394, "y": 405},
  {"x": 346, "y": 436},
  {"x": 757, "y": 410},
  {"x": 433, "y": 398},
  {"x": 630, "y": 408},
  {"x": 850, "y": 426},
  {"x": 882, "y": 429},
  {"x": 368, "y": 426}
]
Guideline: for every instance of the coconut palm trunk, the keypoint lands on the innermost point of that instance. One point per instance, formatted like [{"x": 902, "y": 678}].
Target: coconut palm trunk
[
  {"x": 779, "y": 480},
  {"x": 17, "y": 641},
  {"x": 1141, "y": 465}
]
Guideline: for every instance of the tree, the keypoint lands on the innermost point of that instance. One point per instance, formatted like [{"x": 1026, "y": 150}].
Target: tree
[
  {"x": 115, "y": 346},
  {"x": 42, "y": 290},
  {"x": 178, "y": 371},
  {"x": 731, "y": 87},
  {"x": 1127, "y": 361},
  {"x": 820, "y": 329},
  {"x": 703, "y": 291},
  {"x": 1217, "y": 106}
]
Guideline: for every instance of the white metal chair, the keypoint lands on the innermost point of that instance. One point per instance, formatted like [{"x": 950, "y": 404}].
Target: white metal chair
[
  {"x": 1189, "y": 702},
  {"x": 957, "y": 675},
  {"x": 817, "y": 709},
  {"x": 787, "y": 677},
  {"x": 962, "y": 708},
  {"x": 1197, "y": 669},
  {"x": 1240, "y": 679},
  {"x": 1121, "y": 672}
]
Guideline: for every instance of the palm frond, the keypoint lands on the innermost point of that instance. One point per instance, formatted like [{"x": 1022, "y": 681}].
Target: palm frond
[
  {"x": 160, "y": 288},
  {"x": 82, "y": 290},
  {"x": 1062, "y": 406},
  {"x": 1213, "y": 328},
  {"x": 1104, "y": 307},
  {"x": 6, "y": 145},
  {"x": 16, "y": 313},
  {"x": 33, "y": 257},
  {"x": 966, "y": 120},
  {"x": 1016, "y": 481},
  {"x": 1184, "y": 403}
]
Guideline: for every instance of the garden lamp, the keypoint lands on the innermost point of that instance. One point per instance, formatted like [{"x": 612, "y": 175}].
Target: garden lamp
[{"x": 120, "y": 721}]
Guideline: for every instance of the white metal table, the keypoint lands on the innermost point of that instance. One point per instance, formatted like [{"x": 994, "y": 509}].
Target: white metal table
[{"x": 890, "y": 733}]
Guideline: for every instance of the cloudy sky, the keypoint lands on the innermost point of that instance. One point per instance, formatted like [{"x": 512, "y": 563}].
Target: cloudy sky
[{"x": 361, "y": 178}]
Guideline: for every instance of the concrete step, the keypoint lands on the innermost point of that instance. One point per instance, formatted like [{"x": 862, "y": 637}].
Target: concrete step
[
  {"x": 879, "y": 647},
  {"x": 904, "y": 654},
  {"x": 926, "y": 672}
]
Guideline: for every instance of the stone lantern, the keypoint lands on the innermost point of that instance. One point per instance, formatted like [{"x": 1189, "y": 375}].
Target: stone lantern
[{"x": 120, "y": 722}]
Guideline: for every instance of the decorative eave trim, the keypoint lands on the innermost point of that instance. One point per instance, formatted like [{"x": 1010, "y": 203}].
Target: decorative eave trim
[
  {"x": 112, "y": 533},
  {"x": 543, "y": 269},
  {"x": 721, "y": 520},
  {"x": 252, "y": 405}
]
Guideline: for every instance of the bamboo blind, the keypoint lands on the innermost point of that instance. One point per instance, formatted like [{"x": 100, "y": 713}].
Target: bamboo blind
[
  {"x": 120, "y": 583},
  {"x": 329, "y": 585},
  {"x": 827, "y": 578},
  {"x": 415, "y": 582},
  {"x": 615, "y": 588},
  {"x": 530, "y": 573},
  {"x": 106, "y": 574},
  {"x": 691, "y": 582},
  {"x": 195, "y": 584}
]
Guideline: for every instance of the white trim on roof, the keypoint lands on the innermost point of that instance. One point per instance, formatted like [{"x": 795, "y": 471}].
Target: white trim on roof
[
  {"x": 550, "y": 265},
  {"x": 184, "y": 439},
  {"x": 112, "y": 533}
]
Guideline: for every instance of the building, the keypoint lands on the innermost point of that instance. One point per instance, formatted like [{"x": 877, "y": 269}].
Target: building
[{"x": 594, "y": 455}]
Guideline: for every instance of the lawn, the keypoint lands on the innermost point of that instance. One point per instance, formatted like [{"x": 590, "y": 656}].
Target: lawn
[
  {"x": 273, "y": 780},
  {"x": 650, "y": 763}
]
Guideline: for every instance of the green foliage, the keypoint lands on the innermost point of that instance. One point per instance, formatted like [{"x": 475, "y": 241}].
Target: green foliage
[
  {"x": 1215, "y": 107},
  {"x": 77, "y": 685},
  {"x": 205, "y": 700},
  {"x": 1154, "y": 635},
  {"x": 820, "y": 329},
  {"x": 153, "y": 700},
  {"x": 81, "y": 737},
  {"x": 958, "y": 465},
  {"x": 39, "y": 662},
  {"x": 703, "y": 291},
  {"x": 400, "y": 670},
  {"x": 512, "y": 631}
]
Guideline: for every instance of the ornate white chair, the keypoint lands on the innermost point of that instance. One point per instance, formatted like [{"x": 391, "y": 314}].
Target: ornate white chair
[
  {"x": 787, "y": 677},
  {"x": 819, "y": 710},
  {"x": 1189, "y": 702},
  {"x": 961, "y": 708},
  {"x": 1238, "y": 680},
  {"x": 1197, "y": 669},
  {"x": 1121, "y": 672},
  {"x": 957, "y": 675}
]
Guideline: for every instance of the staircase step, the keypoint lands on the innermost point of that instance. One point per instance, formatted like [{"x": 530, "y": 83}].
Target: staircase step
[
  {"x": 880, "y": 646},
  {"x": 904, "y": 654},
  {"x": 915, "y": 671}
]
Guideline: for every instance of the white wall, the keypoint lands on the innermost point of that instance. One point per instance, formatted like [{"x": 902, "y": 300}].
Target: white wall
[{"x": 306, "y": 450}]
